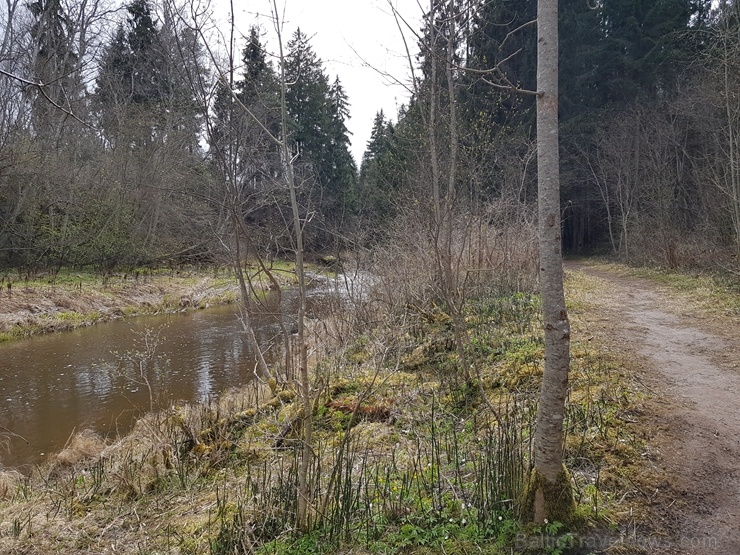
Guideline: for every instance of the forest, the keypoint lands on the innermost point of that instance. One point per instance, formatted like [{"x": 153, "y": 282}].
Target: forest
[{"x": 127, "y": 138}]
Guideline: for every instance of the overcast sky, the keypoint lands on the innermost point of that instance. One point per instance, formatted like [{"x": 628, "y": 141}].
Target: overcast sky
[{"x": 357, "y": 40}]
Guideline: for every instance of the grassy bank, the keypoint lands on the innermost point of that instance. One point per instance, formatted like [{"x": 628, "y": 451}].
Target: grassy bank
[
  {"x": 32, "y": 304},
  {"x": 408, "y": 456}
]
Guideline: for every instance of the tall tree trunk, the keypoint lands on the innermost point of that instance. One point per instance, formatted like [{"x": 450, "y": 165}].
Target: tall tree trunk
[
  {"x": 303, "y": 517},
  {"x": 454, "y": 275},
  {"x": 549, "y": 493}
]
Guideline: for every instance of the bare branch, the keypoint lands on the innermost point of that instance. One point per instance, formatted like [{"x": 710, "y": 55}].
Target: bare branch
[
  {"x": 225, "y": 78},
  {"x": 504, "y": 85},
  {"x": 398, "y": 18},
  {"x": 511, "y": 33},
  {"x": 512, "y": 88},
  {"x": 41, "y": 87}
]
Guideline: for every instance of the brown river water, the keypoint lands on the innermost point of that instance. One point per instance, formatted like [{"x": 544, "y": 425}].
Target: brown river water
[{"x": 54, "y": 385}]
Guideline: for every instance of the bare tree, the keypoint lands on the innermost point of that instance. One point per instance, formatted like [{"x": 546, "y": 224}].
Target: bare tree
[
  {"x": 235, "y": 206},
  {"x": 618, "y": 175},
  {"x": 288, "y": 158},
  {"x": 724, "y": 62},
  {"x": 447, "y": 222},
  {"x": 549, "y": 494},
  {"x": 15, "y": 195}
]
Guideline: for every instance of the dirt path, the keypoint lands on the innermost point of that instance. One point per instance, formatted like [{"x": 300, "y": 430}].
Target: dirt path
[{"x": 692, "y": 365}]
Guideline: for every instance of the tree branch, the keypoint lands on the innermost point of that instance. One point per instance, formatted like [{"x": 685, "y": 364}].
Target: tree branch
[
  {"x": 511, "y": 33},
  {"x": 41, "y": 87},
  {"x": 512, "y": 88}
]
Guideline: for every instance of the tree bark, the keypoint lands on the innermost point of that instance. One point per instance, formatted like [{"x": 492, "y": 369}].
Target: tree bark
[{"x": 550, "y": 496}]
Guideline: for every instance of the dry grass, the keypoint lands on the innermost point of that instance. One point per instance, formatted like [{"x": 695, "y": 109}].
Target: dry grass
[
  {"x": 496, "y": 254},
  {"x": 704, "y": 294},
  {"x": 81, "y": 447},
  {"x": 36, "y": 307},
  {"x": 10, "y": 480}
]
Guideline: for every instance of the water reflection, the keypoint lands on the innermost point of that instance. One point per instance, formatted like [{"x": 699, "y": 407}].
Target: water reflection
[{"x": 53, "y": 385}]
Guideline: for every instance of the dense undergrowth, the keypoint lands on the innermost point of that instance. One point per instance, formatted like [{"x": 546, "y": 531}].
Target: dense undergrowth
[{"x": 408, "y": 456}]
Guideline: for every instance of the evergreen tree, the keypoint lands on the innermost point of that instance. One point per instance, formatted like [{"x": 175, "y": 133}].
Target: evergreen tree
[
  {"x": 498, "y": 122},
  {"x": 377, "y": 145},
  {"x": 625, "y": 51},
  {"x": 502, "y": 38},
  {"x": 338, "y": 167},
  {"x": 447, "y": 19},
  {"x": 580, "y": 34},
  {"x": 242, "y": 147},
  {"x": 581, "y": 108},
  {"x": 258, "y": 76},
  {"x": 260, "y": 92},
  {"x": 151, "y": 124},
  {"x": 133, "y": 84},
  {"x": 317, "y": 112},
  {"x": 147, "y": 77},
  {"x": 238, "y": 141},
  {"x": 379, "y": 180},
  {"x": 54, "y": 65},
  {"x": 643, "y": 43},
  {"x": 307, "y": 98}
]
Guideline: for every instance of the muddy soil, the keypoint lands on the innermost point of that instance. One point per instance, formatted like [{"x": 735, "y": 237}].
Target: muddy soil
[{"x": 691, "y": 366}]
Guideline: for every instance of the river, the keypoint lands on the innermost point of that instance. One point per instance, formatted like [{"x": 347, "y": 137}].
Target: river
[{"x": 54, "y": 385}]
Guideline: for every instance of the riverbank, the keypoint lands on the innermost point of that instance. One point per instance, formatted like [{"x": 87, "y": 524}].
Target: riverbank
[
  {"x": 408, "y": 457},
  {"x": 43, "y": 304}
]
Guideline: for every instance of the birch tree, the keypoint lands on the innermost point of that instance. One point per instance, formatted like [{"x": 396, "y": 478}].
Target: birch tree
[{"x": 549, "y": 493}]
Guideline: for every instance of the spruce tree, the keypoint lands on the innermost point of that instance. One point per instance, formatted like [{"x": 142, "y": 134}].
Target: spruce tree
[
  {"x": 378, "y": 184},
  {"x": 54, "y": 66},
  {"x": 133, "y": 84},
  {"x": 643, "y": 42},
  {"x": 502, "y": 37},
  {"x": 317, "y": 111}
]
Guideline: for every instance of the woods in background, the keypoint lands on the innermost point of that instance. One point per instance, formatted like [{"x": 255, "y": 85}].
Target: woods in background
[{"x": 120, "y": 143}]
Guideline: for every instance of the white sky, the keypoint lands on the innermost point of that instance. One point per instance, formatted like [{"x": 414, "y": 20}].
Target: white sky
[{"x": 351, "y": 37}]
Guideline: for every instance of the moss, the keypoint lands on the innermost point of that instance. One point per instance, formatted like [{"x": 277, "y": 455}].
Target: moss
[
  {"x": 342, "y": 385},
  {"x": 549, "y": 501},
  {"x": 245, "y": 416},
  {"x": 283, "y": 397},
  {"x": 357, "y": 353},
  {"x": 287, "y": 395},
  {"x": 415, "y": 359}
]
